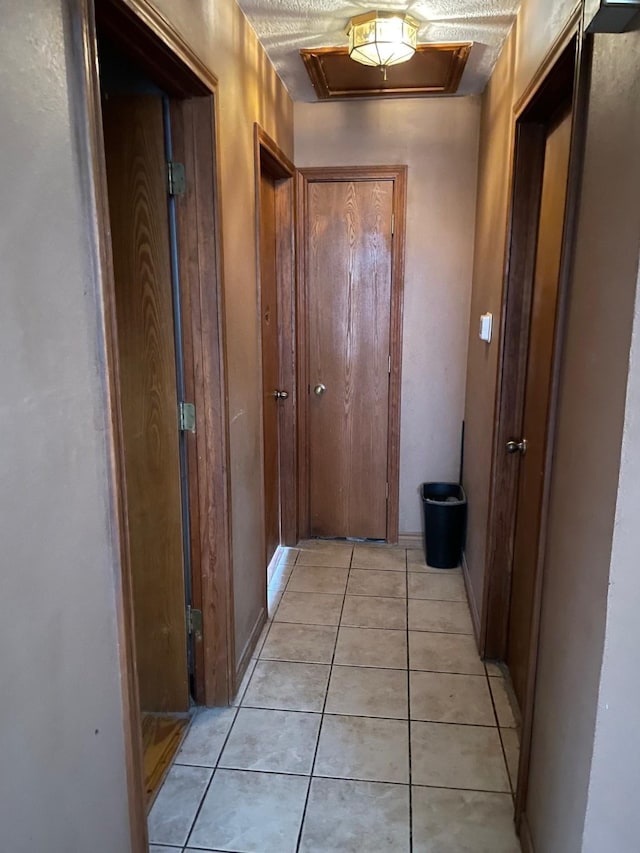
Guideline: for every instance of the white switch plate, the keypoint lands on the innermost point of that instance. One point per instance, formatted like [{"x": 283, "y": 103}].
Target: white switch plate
[{"x": 486, "y": 325}]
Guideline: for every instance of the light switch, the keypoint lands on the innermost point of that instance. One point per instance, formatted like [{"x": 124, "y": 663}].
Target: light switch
[{"x": 486, "y": 325}]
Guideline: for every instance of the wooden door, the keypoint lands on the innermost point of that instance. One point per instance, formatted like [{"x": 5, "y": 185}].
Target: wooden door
[
  {"x": 270, "y": 361},
  {"x": 136, "y": 178},
  {"x": 537, "y": 391},
  {"x": 348, "y": 297}
]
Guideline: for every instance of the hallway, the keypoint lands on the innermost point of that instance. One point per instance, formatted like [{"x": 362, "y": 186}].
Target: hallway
[{"x": 366, "y": 722}]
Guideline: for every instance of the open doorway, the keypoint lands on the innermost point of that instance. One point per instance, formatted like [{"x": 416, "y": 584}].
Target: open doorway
[{"x": 151, "y": 108}]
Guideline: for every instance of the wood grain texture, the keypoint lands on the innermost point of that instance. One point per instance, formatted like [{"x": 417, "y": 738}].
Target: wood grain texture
[
  {"x": 349, "y": 320},
  {"x": 194, "y": 123},
  {"x": 272, "y": 163},
  {"x": 137, "y": 198},
  {"x": 161, "y": 738},
  {"x": 537, "y": 395},
  {"x": 269, "y": 322},
  {"x": 306, "y": 179}
]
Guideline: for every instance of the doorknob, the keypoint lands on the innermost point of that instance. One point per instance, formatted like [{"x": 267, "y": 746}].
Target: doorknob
[
  {"x": 319, "y": 389},
  {"x": 517, "y": 446},
  {"x": 281, "y": 395}
]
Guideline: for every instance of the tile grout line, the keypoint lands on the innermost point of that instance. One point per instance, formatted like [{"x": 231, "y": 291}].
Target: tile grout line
[
  {"x": 502, "y": 747},
  {"x": 406, "y": 560},
  {"x": 324, "y": 705},
  {"x": 231, "y": 727}
]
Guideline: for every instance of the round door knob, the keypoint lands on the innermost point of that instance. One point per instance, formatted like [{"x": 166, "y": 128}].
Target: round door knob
[
  {"x": 319, "y": 389},
  {"x": 517, "y": 446},
  {"x": 281, "y": 395}
]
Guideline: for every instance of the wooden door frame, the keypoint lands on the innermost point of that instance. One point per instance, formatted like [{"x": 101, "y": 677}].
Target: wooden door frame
[
  {"x": 150, "y": 40},
  {"x": 397, "y": 174},
  {"x": 566, "y": 65},
  {"x": 269, "y": 159}
]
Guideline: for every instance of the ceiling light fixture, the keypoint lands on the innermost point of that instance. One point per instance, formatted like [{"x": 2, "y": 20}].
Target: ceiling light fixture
[{"x": 382, "y": 39}]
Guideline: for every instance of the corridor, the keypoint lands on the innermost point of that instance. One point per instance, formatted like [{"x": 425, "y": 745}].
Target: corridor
[{"x": 365, "y": 722}]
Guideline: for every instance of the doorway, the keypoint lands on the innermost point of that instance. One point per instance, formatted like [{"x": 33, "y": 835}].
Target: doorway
[
  {"x": 276, "y": 271},
  {"x": 180, "y": 311},
  {"x": 549, "y": 128},
  {"x": 350, "y": 297}
]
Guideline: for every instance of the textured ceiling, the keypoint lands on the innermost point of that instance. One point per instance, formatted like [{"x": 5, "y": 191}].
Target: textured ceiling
[{"x": 284, "y": 26}]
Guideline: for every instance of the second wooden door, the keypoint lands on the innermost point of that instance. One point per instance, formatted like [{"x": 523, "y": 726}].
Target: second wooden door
[{"x": 348, "y": 280}]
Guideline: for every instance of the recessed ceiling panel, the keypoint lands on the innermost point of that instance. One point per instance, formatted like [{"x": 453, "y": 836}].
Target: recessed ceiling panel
[{"x": 435, "y": 69}]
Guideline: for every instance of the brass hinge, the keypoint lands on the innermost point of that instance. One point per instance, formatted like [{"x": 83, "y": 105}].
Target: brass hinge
[
  {"x": 194, "y": 621},
  {"x": 186, "y": 417},
  {"x": 393, "y": 224},
  {"x": 389, "y": 364},
  {"x": 386, "y": 491},
  {"x": 176, "y": 179}
]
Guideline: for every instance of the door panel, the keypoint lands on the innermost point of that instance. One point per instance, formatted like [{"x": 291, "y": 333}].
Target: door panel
[
  {"x": 348, "y": 280},
  {"x": 136, "y": 176},
  {"x": 536, "y": 408},
  {"x": 270, "y": 361}
]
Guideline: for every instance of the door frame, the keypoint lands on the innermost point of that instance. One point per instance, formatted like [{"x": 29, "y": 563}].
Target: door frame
[
  {"x": 271, "y": 160},
  {"x": 397, "y": 174},
  {"x": 150, "y": 40},
  {"x": 565, "y": 68}
]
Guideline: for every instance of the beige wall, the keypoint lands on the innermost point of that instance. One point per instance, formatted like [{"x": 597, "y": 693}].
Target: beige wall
[
  {"x": 584, "y": 485},
  {"x": 486, "y": 296},
  {"x": 62, "y": 769},
  {"x": 249, "y": 91},
  {"x": 438, "y": 140}
]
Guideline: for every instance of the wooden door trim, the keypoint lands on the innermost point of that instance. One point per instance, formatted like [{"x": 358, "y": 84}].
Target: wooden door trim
[
  {"x": 270, "y": 159},
  {"x": 528, "y": 149},
  {"x": 158, "y": 45},
  {"x": 397, "y": 174}
]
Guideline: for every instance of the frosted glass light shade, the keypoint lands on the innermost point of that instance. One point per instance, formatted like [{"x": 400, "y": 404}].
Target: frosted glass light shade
[{"x": 382, "y": 38}]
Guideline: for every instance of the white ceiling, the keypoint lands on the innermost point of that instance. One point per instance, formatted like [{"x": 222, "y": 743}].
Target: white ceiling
[{"x": 285, "y": 26}]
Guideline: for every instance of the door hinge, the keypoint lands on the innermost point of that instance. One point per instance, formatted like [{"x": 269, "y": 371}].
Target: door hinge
[
  {"x": 386, "y": 491},
  {"x": 186, "y": 417},
  {"x": 393, "y": 224},
  {"x": 176, "y": 179},
  {"x": 389, "y": 371},
  {"x": 194, "y": 621}
]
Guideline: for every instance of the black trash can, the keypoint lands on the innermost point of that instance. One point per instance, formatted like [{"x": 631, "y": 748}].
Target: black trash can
[{"x": 445, "y": 516}]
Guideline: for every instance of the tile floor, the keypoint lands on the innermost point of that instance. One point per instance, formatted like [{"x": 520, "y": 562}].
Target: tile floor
[{"x": 366, "y": 722}]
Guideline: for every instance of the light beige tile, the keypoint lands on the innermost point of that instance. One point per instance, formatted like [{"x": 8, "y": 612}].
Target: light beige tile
[
  {"x": 446, "y": 698},
  {"x": 302, "y": 643},
  {"x": 288, "y": 556},
  {"x": 318, "y": 552},
  {"x": 444, "y": 653},
  {"x": 361, "y": 611},
  {"x": 453, "y": 756},
  {"x": 176, "y": 805},
  {"x": 386, "y": 559},
  {"x": 318, "y": 579},
  {"x": 287, "y": 686},
  {"x": 261, "y": 639},
  {"x": 375, "y": 582},
  {"x": 416, "y": 563},
  {"x": 439, "y": 587},
  {"x": 511, "y": 744},
  {"x": 252, "y": 812},
  {"x": 493, "y": 669},
  {"x": 309, "y": 608},
  {"x": 447, "y": 617},
  {"x": 352, "y": 817},
  {"x": 246, "y": 678},
  {"x": 274, "y": 597},
  {"x": 206, "y": 736},
  {"x": 274, "y": 741},
  {"x": 363, "y": 748},
  {"x": 449, "y": 821},
  {"x": 502, "y": 701},
  {"x": 371, "y": 647},
  {"x": 367, "y": 692}
]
